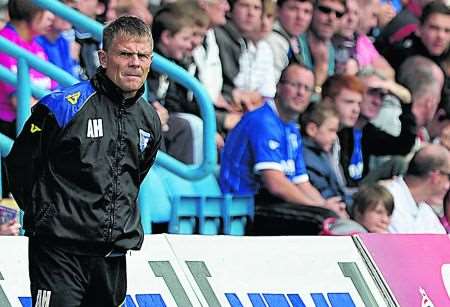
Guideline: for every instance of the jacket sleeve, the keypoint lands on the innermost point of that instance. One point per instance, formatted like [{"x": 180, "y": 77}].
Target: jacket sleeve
[
  {"x": 382, "y": 143},
  {"x": 317, "y": 173},
  {"x": 229, "y": 54},
  {"x": 25, "y": 161},
  {"x": 153, "y": 147}
]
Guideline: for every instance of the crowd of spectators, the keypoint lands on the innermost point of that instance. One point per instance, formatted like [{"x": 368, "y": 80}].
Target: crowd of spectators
[{"x": 332, "y": 113}]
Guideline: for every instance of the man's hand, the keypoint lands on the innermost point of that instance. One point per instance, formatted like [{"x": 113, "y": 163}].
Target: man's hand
[
  {"x": 386, "y": 13},
  {"x": 319, "y": 53},
  {"x": 335, "y": 204},
  {"x": 163, "y": 115},
  {"x": 246, "y": 100},
  {"x": 10, "y": 229},
  {"x": 231, "y": 120},
  {"x": 220, "y": 142}
]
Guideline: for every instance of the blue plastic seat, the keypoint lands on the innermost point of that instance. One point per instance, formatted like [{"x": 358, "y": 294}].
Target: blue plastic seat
[
  {"x": 193, "y": 206},
  {"x": 154, "y": 204}
]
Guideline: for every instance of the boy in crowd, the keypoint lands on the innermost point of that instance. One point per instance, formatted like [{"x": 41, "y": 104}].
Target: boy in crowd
[
  {"x": 58, "y": 48},
  {"x": 320, "y": 124},
  {"x": 172, "y": 33},
  {"x": 372, "y": 207}
]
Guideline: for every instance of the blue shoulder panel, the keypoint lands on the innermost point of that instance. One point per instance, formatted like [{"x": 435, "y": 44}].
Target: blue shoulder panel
[{"x": 66, "y": 103}]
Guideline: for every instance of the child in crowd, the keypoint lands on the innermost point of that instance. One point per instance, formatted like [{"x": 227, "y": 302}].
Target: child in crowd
[
  {"x": 172, "y": 35},
  {"x": 319, "y": 126},
  {"x": 26, "y": 22},
  {"x": 58, "y": 48},
  {"x": 371, "y": 212},
  {"x": 372, "y": 207}
]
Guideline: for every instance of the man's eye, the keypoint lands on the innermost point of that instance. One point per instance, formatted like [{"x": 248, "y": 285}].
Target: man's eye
[
  {"x": 144, "y": 56},
  {"x": 126, "y": 54}
]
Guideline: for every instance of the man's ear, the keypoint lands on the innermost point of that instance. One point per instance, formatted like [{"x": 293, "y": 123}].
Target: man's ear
[
  {"x": 100, "y": 9},
  {"x": 165, "y": 37},
  {"x": 418, "y": 31},
  {"x": 311, "y": 129},
  {"x": 102, "y": 58}
]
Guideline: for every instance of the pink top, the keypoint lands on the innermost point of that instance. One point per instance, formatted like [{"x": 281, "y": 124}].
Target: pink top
[
  {"x": 365, "y": 51},
  {"x": 7, "y": 110}
]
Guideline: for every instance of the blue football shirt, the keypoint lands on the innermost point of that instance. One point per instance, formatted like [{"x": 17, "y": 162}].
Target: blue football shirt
[{"x": 261, "y": 141}]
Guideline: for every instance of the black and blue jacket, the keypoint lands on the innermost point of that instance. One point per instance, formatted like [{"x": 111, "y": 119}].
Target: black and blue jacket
[{"x": 77, "y": 165}]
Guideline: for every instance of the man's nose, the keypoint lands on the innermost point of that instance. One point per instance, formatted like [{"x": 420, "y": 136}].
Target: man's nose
[{"x": 134, "y": 60}]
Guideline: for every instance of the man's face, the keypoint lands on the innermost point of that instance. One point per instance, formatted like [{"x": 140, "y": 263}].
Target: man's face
[
  {"x": 425, "y": 104},
  {"x": 198, "y": 35},
  {"x": 295, "y": 89},
  {"x": 90, "y": 8},
  {"x": 439, "y": 184},
  {"x": 373, "y": 99},
  {"x": 348, "y": 104},
  {"x": 435, "y": 34},
  {"x": 369, "y": 17},
  {"x": 295, "y": 16},
  {"x": 349, "y": 22},
  {"x": 216, "y": 11},
  {"x": 59, "y": 25},
  {"x": 326, "y": 18},
  {"x": 127, "y": 62},
  {"x": 445, "y": 135},
  {"x": 246, "y": 15}
]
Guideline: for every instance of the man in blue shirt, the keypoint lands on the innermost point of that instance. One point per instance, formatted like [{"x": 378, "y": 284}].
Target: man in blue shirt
[{"x": 263, "y": 154}]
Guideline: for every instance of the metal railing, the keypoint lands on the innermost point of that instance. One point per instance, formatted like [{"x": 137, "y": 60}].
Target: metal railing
[
  {"x": 25, "y": 89},
  {"x": 176, "y": 73}
]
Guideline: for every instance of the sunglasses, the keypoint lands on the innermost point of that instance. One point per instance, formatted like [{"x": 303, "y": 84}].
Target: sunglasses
[{"x": 328, "y": 10}]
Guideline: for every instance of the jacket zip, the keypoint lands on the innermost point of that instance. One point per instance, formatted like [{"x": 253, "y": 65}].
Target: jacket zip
[{"x": 116, "y": 173}]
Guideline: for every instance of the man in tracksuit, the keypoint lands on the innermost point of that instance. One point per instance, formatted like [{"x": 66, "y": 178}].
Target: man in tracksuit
[{"x": 76, "y": 169}]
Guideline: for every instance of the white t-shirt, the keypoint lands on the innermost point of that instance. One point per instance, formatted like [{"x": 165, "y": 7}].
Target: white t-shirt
[{"x": 409, "y": 216}]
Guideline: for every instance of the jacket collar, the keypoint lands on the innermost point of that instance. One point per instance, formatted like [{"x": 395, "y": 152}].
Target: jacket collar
[
  {"x": 309, "y": 143},
  {"x": 108, "y": 88},
  {"x": 234, "y": 33}
]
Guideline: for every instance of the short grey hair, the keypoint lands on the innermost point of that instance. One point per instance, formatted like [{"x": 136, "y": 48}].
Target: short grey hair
[
  {"x": 126, "y": 26},
  {"x": 416, "y": 74}
]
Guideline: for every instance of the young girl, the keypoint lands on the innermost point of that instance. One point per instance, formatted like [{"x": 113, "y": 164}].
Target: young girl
[{"x": 319, "y": 126}]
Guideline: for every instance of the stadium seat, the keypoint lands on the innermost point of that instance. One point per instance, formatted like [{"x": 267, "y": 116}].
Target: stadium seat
[
  {"x": 236, "y": 212},
  {"x": 215, "y": 213},
  {"x": 155, "y": 206}
]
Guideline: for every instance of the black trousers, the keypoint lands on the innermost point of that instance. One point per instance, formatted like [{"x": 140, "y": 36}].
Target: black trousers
[{"x": 62, "y": 279}]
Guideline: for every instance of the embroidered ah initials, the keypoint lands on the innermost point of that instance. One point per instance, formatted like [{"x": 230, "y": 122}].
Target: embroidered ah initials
[
  {"x": 95, "y": 128},
  {"x": 43, "y": 298}
]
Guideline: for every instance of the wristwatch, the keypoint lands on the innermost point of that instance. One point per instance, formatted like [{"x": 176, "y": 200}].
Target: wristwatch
[{"x": 318, "y": 89}]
